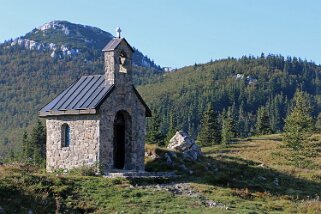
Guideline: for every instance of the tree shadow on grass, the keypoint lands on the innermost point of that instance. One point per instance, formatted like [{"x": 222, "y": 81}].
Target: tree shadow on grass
[
  {"x": 22, "y": 191},
  {"x": 234, "y": 172},
  {"x": 13, "y": 200}
]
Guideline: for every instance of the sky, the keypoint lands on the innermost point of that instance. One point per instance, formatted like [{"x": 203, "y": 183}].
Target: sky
[{"x": 177, "y": 33}]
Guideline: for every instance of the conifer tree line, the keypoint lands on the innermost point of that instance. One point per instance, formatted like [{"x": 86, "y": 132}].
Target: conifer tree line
[
  {"x": 249, "y": 96},
  {"x": 215, "y": 127},
  {"x": 33, "y": 146},
  {"x": 221, "y": 127}
]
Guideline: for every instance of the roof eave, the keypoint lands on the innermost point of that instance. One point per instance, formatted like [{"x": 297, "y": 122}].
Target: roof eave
[
  {"x": 67, "y": 112},
  {"x": 77, "y": 111},
  {"x": 105, "y": 49},
  {"x": 148, "y": 112}
]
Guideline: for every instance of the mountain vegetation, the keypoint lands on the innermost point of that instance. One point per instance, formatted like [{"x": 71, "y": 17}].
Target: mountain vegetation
[
  {"x": 210, "y": 131},
  {"x": 254, "y": 95},
  {"x": 33, "y": 146}
]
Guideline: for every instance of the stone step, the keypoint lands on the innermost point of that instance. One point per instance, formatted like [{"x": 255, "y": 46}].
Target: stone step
[{"x": 138, "y": 174}]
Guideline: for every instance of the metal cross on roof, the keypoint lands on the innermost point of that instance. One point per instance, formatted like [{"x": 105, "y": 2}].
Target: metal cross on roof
[{"x": 118, "y": 31}]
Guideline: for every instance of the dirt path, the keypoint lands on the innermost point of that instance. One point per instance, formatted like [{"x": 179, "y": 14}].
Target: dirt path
[{"x": 183, "y": 189}]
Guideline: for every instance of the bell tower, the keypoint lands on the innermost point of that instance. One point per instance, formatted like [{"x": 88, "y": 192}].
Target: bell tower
[{"x": 118, "y": 61}]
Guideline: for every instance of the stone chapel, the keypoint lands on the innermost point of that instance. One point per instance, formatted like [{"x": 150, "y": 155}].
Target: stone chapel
[{"x": 99, "y": 118}]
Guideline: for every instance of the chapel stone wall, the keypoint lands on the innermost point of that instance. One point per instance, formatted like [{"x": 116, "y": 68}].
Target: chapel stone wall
[
  {"x": 123, "y": 99},
  {"x": 84, "y": 139}
]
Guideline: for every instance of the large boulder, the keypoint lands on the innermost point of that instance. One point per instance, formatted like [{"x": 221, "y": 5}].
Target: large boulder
[{"x": 182, "y": 142}]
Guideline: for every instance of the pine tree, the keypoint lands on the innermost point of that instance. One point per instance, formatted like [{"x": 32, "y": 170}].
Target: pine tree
[
  {"x": 154, "y": 134},
  {"x": 298, "y": 129},
  {"x": 171, "y": 127},
  {"x": 38, "y": 143},
  {"x": 235, "y": 119},
  {"x": 210, "y": 129},
  {"x": 243, "y": 123},
  {"x": 12, "y": 155},
  {"x": 263, "y": 122},
  {"x": 27, "y": 151},
  {"x": 274, "y": 108},
  {"x": 227, "y": 127}
]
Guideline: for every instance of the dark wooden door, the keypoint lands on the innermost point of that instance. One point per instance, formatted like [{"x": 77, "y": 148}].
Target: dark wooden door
[{"x": 119, "y": 145}]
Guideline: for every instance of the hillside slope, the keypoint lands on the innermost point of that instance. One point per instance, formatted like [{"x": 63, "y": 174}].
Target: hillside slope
[
  {"x": 243, "y": 85},
  {"x": 247, "y": 177}
]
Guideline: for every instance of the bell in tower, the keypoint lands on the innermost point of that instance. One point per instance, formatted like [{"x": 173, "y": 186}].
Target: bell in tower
[{"x": 118, "y": 61}]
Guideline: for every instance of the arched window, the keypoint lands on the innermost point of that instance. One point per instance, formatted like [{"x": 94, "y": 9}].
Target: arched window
[{"x": 65, "y": 135}]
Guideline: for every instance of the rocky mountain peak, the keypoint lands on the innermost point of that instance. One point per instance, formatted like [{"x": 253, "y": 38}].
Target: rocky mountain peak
[
  {"x": 56, "y": 25},
  {"x": 61, "y": 39}
]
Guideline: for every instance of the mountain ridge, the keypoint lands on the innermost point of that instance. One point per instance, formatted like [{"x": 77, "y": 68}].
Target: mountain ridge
[{"x": 62, "y": 39}]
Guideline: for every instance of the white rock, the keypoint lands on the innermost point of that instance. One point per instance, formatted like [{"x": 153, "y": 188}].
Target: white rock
[
  {"x": 54, "y": 25},
  {"x": 52, "y": 46},
  {"x": 182, "y": 142},
  {"x": 53, "y": 54},
  {"x": 32, "y": 45}
]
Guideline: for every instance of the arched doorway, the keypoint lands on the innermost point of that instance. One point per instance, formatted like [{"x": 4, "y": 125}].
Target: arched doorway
[{"x": 119, "y": 141}]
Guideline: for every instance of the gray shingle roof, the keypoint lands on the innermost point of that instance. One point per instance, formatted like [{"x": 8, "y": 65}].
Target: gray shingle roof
[
  {"x": 84, "y": 96},
  {"x": 112, "y": 45}
]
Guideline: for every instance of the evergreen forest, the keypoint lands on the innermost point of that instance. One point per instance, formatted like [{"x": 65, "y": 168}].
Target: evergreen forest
[{"x": 253, "y": 95}]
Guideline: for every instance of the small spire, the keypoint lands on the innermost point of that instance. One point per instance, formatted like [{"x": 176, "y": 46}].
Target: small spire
[{"x": 118, "y": 31}]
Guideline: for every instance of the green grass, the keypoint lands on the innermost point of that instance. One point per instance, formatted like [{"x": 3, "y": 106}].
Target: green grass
[
  {"x": 233, "y": 176},
  {"x": 22, "y": 190}
]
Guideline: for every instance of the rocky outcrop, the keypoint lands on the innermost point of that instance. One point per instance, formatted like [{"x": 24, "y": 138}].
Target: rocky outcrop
[
  {"x": 182, "y": 142},
  {"x": 64, "y": 40},
  {"x": 57, "y": 51},
  {"x": 56, "y": 25}
]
